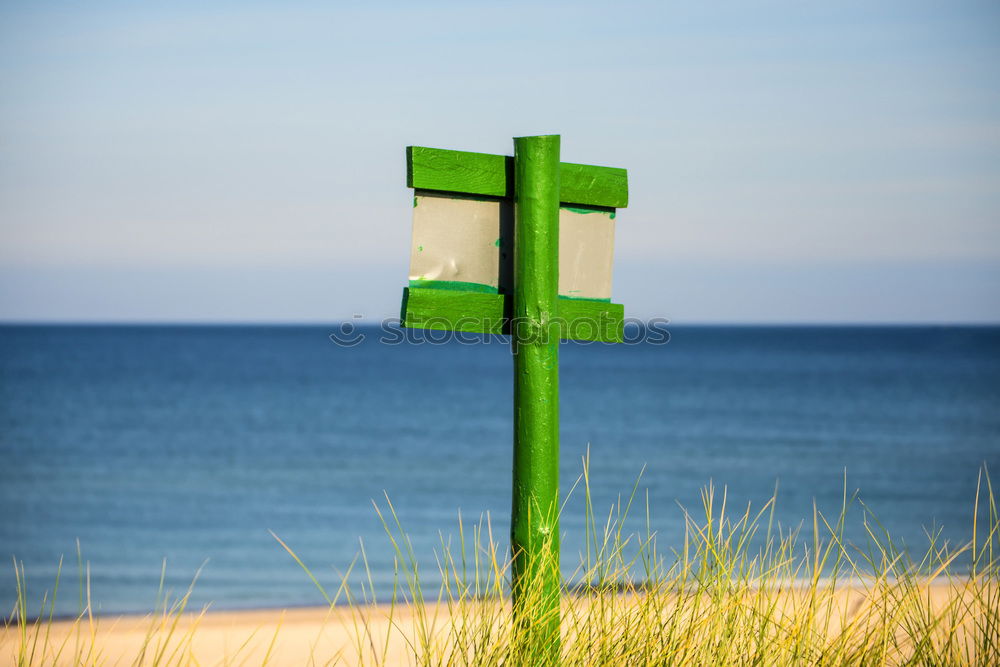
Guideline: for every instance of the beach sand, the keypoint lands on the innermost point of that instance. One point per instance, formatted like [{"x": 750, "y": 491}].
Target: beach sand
[{"x": 299, "y": 636}]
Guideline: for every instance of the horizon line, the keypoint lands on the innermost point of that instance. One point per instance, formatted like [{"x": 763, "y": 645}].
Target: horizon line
[{"x": 375, "y": 323}]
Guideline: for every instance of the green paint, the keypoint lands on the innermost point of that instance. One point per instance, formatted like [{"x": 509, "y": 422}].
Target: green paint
[
  {"x": 589, "y": 209},
  {"x": 537, "y": 182},
  {"x": 591, "y": 319},
  {"x": 571, "y": 297},
  {"x": 457, "y": 171},
  {"x": 580, "y": 209},
  {"x": 535, "y": 333},
  {"x": 578, "y": 318},
  {"x": 451, "y": 310},
  {"x": 493, "y": 175},
  {"x": 453, "y": 285},
  {"x": 420, "y": 248},
  {"x": 596, "y": 186}
]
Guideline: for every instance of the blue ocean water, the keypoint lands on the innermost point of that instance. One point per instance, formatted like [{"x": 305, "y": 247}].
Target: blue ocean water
[{"x": 192, "y": 443}]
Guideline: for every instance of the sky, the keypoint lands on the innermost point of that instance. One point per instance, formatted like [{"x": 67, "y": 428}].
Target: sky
[{"x": 789, "y": 162}]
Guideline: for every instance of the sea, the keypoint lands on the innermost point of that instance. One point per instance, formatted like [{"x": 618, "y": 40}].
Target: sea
[{"x": 130, "y": 451}]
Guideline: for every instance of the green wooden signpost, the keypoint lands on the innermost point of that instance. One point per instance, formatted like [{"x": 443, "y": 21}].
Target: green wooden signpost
[{"x": 541, "y": 277}]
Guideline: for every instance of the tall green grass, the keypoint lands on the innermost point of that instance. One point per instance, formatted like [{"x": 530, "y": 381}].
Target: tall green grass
[
  {"x": 35, "y": 644},
  {"x": 739, "y": 589}
]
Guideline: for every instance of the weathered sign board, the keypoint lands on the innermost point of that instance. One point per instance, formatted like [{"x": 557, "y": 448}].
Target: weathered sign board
[
  {"x": 461, "y": 255},
  {"x": 519, "y": 245}
]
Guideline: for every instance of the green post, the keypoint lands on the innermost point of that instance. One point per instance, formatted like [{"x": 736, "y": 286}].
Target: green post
[
  {"x": 536, "y": 580},
  {"x": 537, "y": 318}
]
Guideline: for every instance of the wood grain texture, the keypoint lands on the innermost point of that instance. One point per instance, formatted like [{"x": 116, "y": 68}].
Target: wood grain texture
[
  {"x": 593, "y": 186},
  {"x": 459, "y": 171},
  {"x": 535, "y": 586},
  {"x": 493, "y": 175},
  {"x": 598, "y": 321},
  {"x": 451, "y": 310},
  {"x": 477, "y": 312}
]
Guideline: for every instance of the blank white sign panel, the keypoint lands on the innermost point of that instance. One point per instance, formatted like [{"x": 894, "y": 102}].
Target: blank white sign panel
[{"x": 459, "y": 239}]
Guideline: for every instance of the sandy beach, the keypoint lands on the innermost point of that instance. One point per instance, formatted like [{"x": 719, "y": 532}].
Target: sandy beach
[
  {"x": 313, "y": 635},
  {"x": 305, "y": 636}
]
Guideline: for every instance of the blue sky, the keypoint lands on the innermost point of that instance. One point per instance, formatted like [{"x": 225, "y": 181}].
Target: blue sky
[{"x": 789, "y": 161}]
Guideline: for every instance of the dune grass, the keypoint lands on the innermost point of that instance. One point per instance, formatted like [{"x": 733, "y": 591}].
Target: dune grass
[{"x": 739, "y": 590}]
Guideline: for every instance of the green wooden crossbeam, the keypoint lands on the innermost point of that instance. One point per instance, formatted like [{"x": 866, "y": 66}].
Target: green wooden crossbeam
[
  {"x": 493, "y": 175},
  {"x": 452, "y": 310},
  {"x": 479, "y": 312}
]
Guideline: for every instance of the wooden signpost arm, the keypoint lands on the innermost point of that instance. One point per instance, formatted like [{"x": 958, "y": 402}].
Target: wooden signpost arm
[{"x": 536, "y": 580}]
